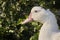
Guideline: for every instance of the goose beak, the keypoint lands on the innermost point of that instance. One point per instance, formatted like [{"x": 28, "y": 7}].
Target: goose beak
[{"x": 29, "y": 19}]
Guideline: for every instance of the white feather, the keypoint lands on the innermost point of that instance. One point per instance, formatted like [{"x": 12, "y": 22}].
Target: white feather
[{"x": 49, "y": 30}]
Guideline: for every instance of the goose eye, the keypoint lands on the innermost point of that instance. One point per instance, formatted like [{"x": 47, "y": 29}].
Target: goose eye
[{"x": 36, "y": 11}]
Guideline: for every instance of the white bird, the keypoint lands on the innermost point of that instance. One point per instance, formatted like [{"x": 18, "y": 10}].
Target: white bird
[{"x": 49, "y": 29}]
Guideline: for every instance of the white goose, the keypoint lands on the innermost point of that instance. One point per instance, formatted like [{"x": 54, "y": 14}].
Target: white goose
[{"x": 49, "y": 29}]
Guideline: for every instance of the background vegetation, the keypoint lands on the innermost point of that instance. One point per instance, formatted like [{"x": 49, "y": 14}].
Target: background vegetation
[{"x": 13, "y": 12}]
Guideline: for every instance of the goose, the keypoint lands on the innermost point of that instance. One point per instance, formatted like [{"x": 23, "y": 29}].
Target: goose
[{"x": 49, "y": 29}]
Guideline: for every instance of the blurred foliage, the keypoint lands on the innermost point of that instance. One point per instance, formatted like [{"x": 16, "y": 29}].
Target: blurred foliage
[{"x": 13, "y": 12}]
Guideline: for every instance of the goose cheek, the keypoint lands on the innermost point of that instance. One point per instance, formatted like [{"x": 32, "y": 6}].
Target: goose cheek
[{"x": 29, "y": 19}]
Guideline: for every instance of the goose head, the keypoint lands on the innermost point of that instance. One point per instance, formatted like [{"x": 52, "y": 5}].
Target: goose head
[{"x": 38, "y": 14}]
